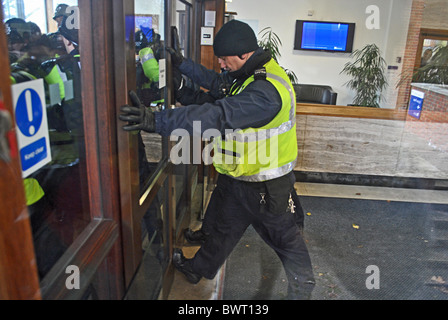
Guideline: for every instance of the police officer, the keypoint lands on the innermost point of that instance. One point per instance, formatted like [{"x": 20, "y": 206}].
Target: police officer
[
  {"x": 259, "y": 109},
  {"x": 72, "y": 66},
  {"x": 147, "y": 46},
  {"x": 60, "y": 12}
]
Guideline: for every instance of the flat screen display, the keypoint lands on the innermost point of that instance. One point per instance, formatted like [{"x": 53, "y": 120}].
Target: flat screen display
[{"x": 324, "y": 36}]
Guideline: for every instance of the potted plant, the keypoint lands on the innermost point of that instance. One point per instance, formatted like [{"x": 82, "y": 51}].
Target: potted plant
[
  {"x": 368, "y": 76},
  {"x": 269, "y": 40}
]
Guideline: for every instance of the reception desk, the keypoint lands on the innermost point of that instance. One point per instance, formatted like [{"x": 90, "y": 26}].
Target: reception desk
[{"x": 371, "y": 141}]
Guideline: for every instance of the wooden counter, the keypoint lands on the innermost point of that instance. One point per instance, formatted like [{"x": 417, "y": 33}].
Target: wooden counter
[{"x": 349, "y": 111}]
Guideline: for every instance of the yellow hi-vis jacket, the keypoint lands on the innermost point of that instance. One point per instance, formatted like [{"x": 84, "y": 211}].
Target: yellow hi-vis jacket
[
  {"x": 33, "y": 191},
  {"x": 56, "y": 76},
  {"x": 150, "y": 65},
  {"x": 269, "y": 152}
]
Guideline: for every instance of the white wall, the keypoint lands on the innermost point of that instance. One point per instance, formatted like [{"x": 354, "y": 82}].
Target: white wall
[
  {"x": 323, "y": 67},
  {"x": 155, "y": 7}
]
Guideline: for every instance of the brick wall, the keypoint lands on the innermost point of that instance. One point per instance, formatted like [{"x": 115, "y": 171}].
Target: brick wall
[
  {"x": 430, "y": 14},
  {"x": 415, "y": 23},
  {"x": 433, "y": 122}
]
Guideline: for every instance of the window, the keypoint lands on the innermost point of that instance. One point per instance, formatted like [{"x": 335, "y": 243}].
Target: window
[
  {"x": 149, "y": 36},
  {"x": 45, "y": 73}
]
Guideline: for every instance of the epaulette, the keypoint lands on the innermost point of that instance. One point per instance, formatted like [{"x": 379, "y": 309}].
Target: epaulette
[{"x": 260, "y": 74}]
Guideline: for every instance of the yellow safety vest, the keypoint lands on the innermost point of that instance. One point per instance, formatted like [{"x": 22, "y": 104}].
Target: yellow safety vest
[
  {"x": 23, "y": 75},
  {"x": 33, "y": 191},
  {"x": 269, "y": 152},
  {"x": 56, "y": 76},
  {"x": 150, "y": 65}
]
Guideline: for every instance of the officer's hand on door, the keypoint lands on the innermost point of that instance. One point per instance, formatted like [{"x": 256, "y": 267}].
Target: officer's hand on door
[
  {"x": 176, "y": 56},
  {"x": 178, "y": 82},
  {"x": 138, "y": 116}
]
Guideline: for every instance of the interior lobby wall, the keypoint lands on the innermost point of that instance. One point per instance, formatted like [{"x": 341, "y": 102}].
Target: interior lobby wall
[
  {"x": 435, "y": 14},
  {"x": 322, "y": 67},
  {"x": 378, "y": 147}
]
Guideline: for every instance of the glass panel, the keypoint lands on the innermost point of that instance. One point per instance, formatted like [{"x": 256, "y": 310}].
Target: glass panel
[
  {"x": 149, "y": 38},
  {"x": 183, "y": 27},
  {"x": 432, "y": 61},
  {"x": 429, "y": 46},
  {"x": 181, "y": 172},
  {"x": 148, "y": 279},
  {"x": 46, "y": 77}
]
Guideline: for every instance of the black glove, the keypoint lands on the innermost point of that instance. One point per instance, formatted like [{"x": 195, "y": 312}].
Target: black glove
[
  {"x": 138, "y": 115},
  {"x": 176, "y": 56}
]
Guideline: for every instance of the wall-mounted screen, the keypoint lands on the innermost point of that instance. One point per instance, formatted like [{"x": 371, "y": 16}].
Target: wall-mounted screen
[{"x": 324, "y": 36}]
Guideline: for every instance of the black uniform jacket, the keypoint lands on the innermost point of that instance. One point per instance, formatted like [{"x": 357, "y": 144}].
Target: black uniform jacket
[{"x": 254, "y": 107}]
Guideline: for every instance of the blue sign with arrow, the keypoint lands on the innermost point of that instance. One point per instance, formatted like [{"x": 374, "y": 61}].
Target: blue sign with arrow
[{"x": 416, "y": 104}]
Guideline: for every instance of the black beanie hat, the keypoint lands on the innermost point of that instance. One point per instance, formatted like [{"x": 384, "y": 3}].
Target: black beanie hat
[{"x": 235, "y": 38}]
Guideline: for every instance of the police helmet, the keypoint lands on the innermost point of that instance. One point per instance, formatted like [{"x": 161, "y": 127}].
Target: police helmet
[
  {"x": 15, "y": 24},
  {"x": 61, "y": 10}
]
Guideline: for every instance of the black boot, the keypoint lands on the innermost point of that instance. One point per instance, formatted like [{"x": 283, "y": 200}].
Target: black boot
[
  {"x": 183, "y": 265},
  {"x": 302, "y": 291},
  {"x": 195, "y": 237}
]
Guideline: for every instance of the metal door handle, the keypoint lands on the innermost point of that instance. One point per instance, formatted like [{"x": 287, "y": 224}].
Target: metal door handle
[{"x": 5, "y": 126}]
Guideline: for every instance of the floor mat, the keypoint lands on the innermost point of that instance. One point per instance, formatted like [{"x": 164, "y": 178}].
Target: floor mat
[{"x": 360, "y": 249}]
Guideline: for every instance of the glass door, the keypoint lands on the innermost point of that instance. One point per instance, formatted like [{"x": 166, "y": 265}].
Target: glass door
[
  {"x": 46, "y": 66},
  {"x": 145, "y": 177},
  {"x": 98, "y": 207},
  {"x": 158, "y": 208},
  {"x": 57, "y": 92}
]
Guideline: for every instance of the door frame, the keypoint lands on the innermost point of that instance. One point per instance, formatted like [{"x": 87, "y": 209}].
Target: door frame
[
  {"x": 18, "y": 271},
  {"x": 108, "y": 252},
  {"x": 97, "y": 251}
]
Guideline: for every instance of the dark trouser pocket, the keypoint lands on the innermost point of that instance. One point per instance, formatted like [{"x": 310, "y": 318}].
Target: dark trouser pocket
[{"x": 278, "y": 192}]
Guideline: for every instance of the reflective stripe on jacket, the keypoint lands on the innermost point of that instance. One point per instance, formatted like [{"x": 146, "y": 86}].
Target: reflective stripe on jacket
[
  {"x": 56, "y": 76},
  {"x": 149, "y": 64},
  {"x": 265, "y": 153}
]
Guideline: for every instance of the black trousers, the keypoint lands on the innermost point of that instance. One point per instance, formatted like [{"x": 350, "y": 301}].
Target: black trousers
[{"x": 234, "y": 206}]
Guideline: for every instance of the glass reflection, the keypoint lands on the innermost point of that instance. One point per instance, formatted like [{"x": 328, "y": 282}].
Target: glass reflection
[
  {"x": 148, "y": 38},
  {"x": 183, "y": 16},
  {"x": 148, "y": 279},
  {"x": 56, "y": 193},
  {"x": 433, "y": 62},
  {"x": 430, "y": 47}
]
